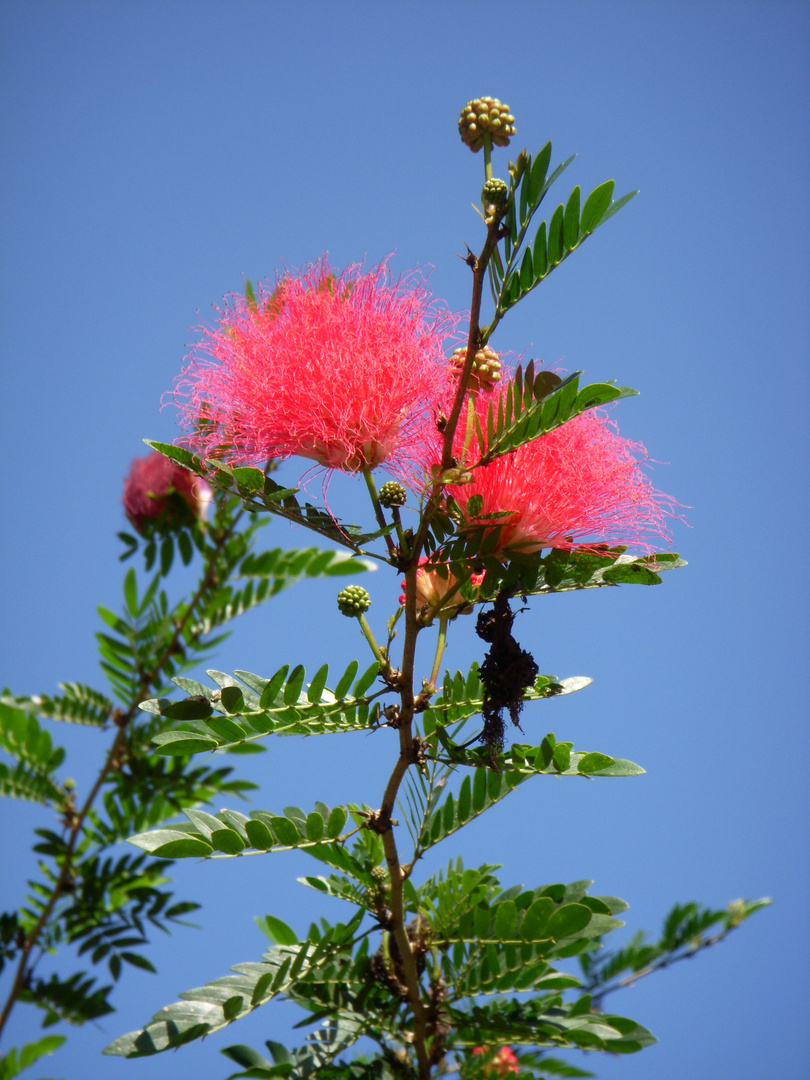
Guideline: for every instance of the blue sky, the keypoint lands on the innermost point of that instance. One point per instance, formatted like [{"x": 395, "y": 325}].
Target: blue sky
[{"x": 154, "y": 154}]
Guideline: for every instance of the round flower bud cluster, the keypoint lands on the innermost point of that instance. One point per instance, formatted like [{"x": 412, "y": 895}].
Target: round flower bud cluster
[
  {"x": 486, "y": 369},
  {"x": 485, "y": 116},
  {"x": 160, "y": 495},
  {"x": 392, "y": 494},
  {"x": 495, "y": 192},
  {"x": 353, "y": 601}
]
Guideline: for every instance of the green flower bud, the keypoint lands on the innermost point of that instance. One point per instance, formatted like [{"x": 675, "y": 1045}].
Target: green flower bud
[
  {"x": 482, "y": 116},
  {"x": 495, "y": 191},
  {"x": 353, "y": 601},
  {"x": 380, "y": 874},
  {"x": 392, "y": 494},
  {"x": 486, "y": 369}
]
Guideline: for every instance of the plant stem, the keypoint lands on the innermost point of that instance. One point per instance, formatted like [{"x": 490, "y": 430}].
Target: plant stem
[
  {"x": 368, "y": 634},
  {"x": 378, "y": 511},
  {"x": 112, "y": 761},
  {"x": 408, "y": 754},
  {"x": 440, "y": 646},
  {"x": 487, "y": 156}
]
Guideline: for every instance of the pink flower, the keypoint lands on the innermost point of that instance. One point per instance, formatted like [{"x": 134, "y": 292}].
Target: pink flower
[
  {"x": 580, "y": 485},
  {"x": 502, "y": 1064},
  {"x": 345, "y": 370},
  {"x": 432, "y": 594},
  {"x": 158, "y": 490}
]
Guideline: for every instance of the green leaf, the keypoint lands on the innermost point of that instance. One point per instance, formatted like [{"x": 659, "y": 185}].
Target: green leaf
[
  {"x": 172, "y": 844},
  {"x": 166, "y": 555},
  {"x": 185, "y": 547},
  {"x": 16, "y": 1060},
  {"x": 562, "y": 756},
  {"x": 249, "y": 478},
  {"x": 233, "y": 699},
  {"x": 278, "y": 932},
  {"x": 182, "y": 743},
  {"x": 196, "y": 708},
  {"x": 567, "y": 920},
  {"x": 131, "y": 592},
  {"x": 571, "y": 220},
  {"x": 595, "y": 206},
  {"x": 366, "y": 680},
  {"x": 556, "y": 236},
  {"x": 285, "y": 830},
  {"x": 536, "y": 918},
  {"x": 315, "y": 826},
  {"x": 505, "y": 920},
  {"x": 563, "y": 571},
  {"x": 590, "y": 763},
  {"x": 537, "y": 175},
  {"x": 597, "y": 394},
  {"x": 526, "y": 272},
  {"x": 177, "y": 453},
  {"x": 259, "y": 834},
  {"x": 616, "y": 206},
  {"x": 337, "y": 819},
  {"x": 540, "y": 258},
  {"x": 227, "y": 841}
]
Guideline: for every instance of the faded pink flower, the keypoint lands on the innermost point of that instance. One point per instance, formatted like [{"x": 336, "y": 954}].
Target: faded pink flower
[
  {"x": 504, "y": 1062},
  {"x": 582, "y": 484},
  {"x": 432, "y": 591},
  {"x": 345, "y": 370},
  {"x": 159, "y": 491}
]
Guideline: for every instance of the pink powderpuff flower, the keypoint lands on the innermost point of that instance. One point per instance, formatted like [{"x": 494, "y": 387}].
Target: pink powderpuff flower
[
  {"x": 580, "y": 485},
  {"x": 504, "y": 1062},
  {"x": 345, "y": 370},
  {"x": 432, "y": 591},
  {"x": 158, "y": 490}
]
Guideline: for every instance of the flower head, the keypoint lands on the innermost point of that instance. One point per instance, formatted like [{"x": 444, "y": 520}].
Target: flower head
[
  {"x": 437, "y": 595},
  {"x": 342, "y": 369},
  {"x": 158, "y": 491},
  {"x": 504, "y": 1062},
  {"x": 582, "y": 484},
  {"x": 485, "y": 372},
  {"x": 485, "y": 115}
]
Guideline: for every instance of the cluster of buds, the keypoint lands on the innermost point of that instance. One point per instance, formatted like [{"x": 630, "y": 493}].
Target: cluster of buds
[
  {"x": 494, "y": 196},
  {"x": 353, "y": 601},
  {"x": 485, "y": 116},
  {"x": 392, "y": 494},
  {"x": 486, "y": 368},
  {"x": 161, "y": 495},
  {"x": 504, "y": 1062}
]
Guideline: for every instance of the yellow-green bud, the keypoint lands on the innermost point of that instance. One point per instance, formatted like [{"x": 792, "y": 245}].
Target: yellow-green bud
[
  {"x": 482, "y": 116},
  {"x": 392, "y": 494},
  {"x": 495, "y": 191},
  {"x": 353, "y": 601},
  {"x": 380, "y": 874},
  {"x": 486, "y": 369}
]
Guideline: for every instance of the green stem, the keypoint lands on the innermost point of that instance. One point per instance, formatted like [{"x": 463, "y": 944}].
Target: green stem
[
  {"x": 400, "y": 531},
  {"x": 440, "y": 647},
  {"x": 468, "y": 434},
  {"x": 487, "y": 156},
  {"x": 378, "y": 511},
  {"x": 368, "y": 634}
]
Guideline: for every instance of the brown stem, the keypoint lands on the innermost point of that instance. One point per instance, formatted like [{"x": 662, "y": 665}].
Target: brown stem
[
  {"x": 75, "y": 831},
  {"x": 147, "y": 679},
  {"x": 407, "y": 747}
]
